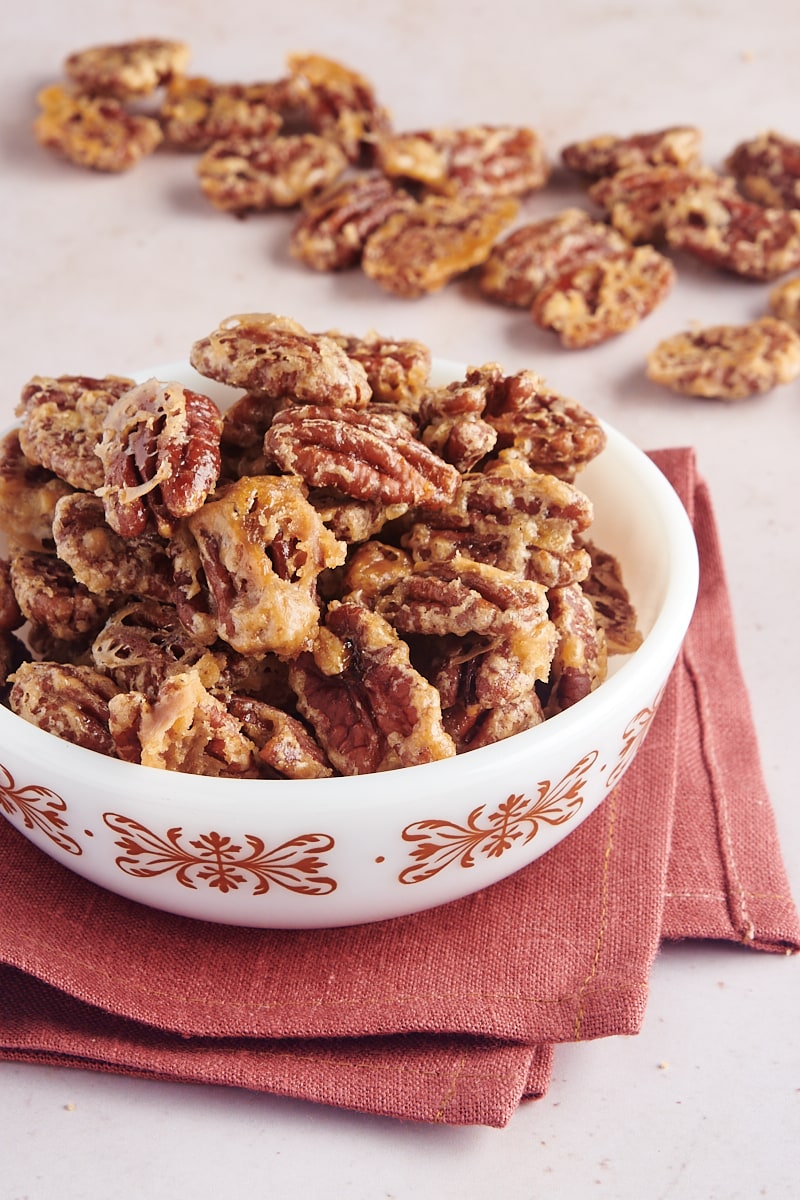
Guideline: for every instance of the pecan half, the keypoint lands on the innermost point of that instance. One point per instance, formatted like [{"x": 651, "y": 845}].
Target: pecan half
[
  {"x": 605, "y": 154},
  {"x": 734, "y": 234},
  {"x": 93, "y": 131},
  {"x": 277, "y": 357},
  {"x": 339, "y": 103},
  {"x": 639, "y": 200},
  {"x": 334, "y": 225},
  {"x": 370, "y": 708},
  {"x": 397, "y": 370},
  {"x": 592, "y": 302},
  {"x": 420, "y": 250},
  {"x": 614, "y": 613},
  {"x": 196, "y": 112},
  {"x": 727, "y": 362},
  {"x": 160, "y": 455},
  {"x": 580, "y": 657},
  {"x": 284, "y": 744},
  {"x": 767, "y": 169},
  {"x": 51, "y": 597},
  {"x": 253, "y": 174},
  {"x": 143, "y": 643},
  {"x": 127, "y": 69},
  {"x": 67, "y": 700},
  {"x": 484, "y": 160}
]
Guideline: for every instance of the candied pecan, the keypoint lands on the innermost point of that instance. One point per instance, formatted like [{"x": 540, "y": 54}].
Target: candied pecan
[
  {"x": 784, "y": 302},
  {"x": 677, "y": 145},
  {"x": 94, "y": 131},
  {"x": 335, "y": 223},
  {"x": 11, "y": 616},
  {"x": 728, "y": 362},
  {"x": 253, "y": 174},
  {"x": 350, "y": 520},
  {"x": 184, "y": 728},
  {"x": 277, "y": 357},
  {"x": 67, "y": 700},
  {"x": 262, "y": 547},
  {"x": 339, "y": 103},
  {"x": 513, "y": 518},
  {"x": 373, "y": 569},
  {"x": 134, "y": 68},
  {"x": 103, "y": 561},
  {"x": 422, "y": 249},
  {"x": 369, "y": 707},
  {"x": 284, "y": 744},
  {"x": 639, "y": 200},
  {"x": 365, "y": 455},
  {"x": 144, "y": 643},
  {"x": 62, "y": 423},
  {"x": 614, "y": 612},
  {"x": 484, "y": 160},
  {"x": 196, "y": 112},
  {"x": 160, "y": 455},
  {"x": 523, "y": 262},
  {"x": 452, "y": 425},
  {"x": 49, "y": 595},
  {"x": 580, "y": 657},
  {"x": 590, "y": 303},
  {"x": 28, "y": 497},
  {"x": 397, "y": 371},
  {"x": 767, "y": 169},
  {"x": 734, "y": 234}
]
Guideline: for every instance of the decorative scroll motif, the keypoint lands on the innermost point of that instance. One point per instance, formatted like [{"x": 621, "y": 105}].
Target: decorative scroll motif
[
  {"x": 516, "y": 821},
  {"x": 632, "y": 738},
  {"x": 219, "y": 862},
  {"x": 40, "y": 808}
]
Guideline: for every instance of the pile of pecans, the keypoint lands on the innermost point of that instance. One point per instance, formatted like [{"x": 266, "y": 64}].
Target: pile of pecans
[{"x": 347, "y": 570}]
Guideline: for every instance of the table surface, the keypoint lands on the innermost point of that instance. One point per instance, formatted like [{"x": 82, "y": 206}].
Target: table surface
[{"x": 111, "y": 274}]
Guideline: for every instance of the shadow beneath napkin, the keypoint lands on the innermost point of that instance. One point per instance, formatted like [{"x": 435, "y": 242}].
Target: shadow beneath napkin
[{"x": 451, "y": 1015}]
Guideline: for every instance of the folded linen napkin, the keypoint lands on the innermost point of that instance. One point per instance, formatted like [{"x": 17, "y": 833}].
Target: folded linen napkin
[{"x": 446, "y": 1016}]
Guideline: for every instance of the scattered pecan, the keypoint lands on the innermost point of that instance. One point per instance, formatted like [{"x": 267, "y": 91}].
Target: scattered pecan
[
  {"x": 365, "y": 455},
  {"x": 734, "y": 234},
  {"x": 196, "y": 112},
  {"x": 160, "y": 455},
  {"x": 483, "y": 160},
  {"x": 524, "y": 261},
  {"x": 370, "y": 708},
  {"x": 70, "y": 701},
  {"x": 590, "y": 303},
  {"x": 104, "y": 562},
  {"x": 284, "y": 744},
  {"x": 184, "y": 728},
  {"x": 144, "y": 642},
  {"x": 51, "y": 597},
  {"x": 62, "y": 423},
  {"x": 784, "y": 302},
  {"x": 335, "y": 223},
  {"x": 639, "y": 200},
  {"x": 28, "y": 497},
  {"x": 580, "y": 658},
  {"x": 614, "y": 612},
  {"x": 276, "y": 357},
  {"x": 93, "y": 131},
  {"x": 339, "y": 103},
  {"x": 253, "y": 174},
  {"x": 677, "y": 145},
  {"x": 422, "y": 249},
  {"x": 127, "y": 69},
  {"x": 262, "y": 548},
  {"x": 728, "y": 362},
  {"x": 767, "y": 169}
]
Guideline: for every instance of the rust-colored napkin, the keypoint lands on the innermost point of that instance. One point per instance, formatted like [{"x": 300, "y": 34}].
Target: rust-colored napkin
[{"x": 450, "y": 1015}]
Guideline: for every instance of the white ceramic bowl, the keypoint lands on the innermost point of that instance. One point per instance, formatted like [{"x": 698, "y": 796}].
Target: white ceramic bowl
[{"x": 317, "y": 853}]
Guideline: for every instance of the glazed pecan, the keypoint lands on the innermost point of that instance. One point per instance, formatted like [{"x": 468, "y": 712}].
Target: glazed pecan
[
  {"x": 677, "y": 145},
  {"x": 365, "y": 455},
  {"x": 728, "y": 362},
  {"x": 513, "y": 518},
  {"x": 397, "y": 370},
  {"x": 339, "y": 103},
  {"x": 160, "y": 455},
  {"x": 144, "y": 642},
  {"x": 422, "y": 249},
  {"x": 335, "y": 223},
  {"x": 196, "y": 112},
  {"x": 62, "y": 423},
  {"x": 370, "y": 708},
  {"x": 580, "y": 657},
  {"x": 51, "y": 597},
  {"x": 284, "y": 744},
  {"x": 262, "y": 547},
  {"x": 483, "y": 160},
  {"x": 93, "y": 131},
  {"x": 734, "y": 234},
  {"x": 639, "y": 200},
  {"x": 28, "y": 497},
  {"x": 184, "y": 728},
  {"x": 784, "y": 302},
  {"x": 103, "y": 561},
  {"x": 767, "y": 169},
  {"x": 523, "y": 262},
  {"x": 253, "y": 174},
  {"x": 374, "y": 568},
  {"x": 134, "y": 68},
  {"x": 589, "y": 303},
  {"x": 11, "y": 616},
  {"x": 614, "y": 613},
  {"x": 352, "y": 521},
  {"x": 276, "y": 357},
  {"x": 452, "y": 424},
  {"x": 69, "y": 701}
]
